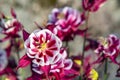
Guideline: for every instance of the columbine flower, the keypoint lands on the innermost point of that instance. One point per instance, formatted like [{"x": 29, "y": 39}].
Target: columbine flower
[
  {"x": 60, "y": 69},
  {"x": 109, "y": 47},
  {"x": 42, "y": 46},
  {"x": 10, "y": 26},
  {"x": 66, "y": 21},
  {"x": 92, "y": 5}
]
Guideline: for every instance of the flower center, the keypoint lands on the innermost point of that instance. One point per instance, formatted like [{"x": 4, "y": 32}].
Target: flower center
[
  {"x": 104, "y": 42},
  {"x": 43, "y": 46},
  {"x": 61, "y": 16}
]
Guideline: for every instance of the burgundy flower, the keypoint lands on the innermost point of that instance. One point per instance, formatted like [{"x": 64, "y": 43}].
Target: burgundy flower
[
  {"x": 66, "y": 22},
  {"x": 60, "y": 69},
  {"x": 10, "y": 26},
  {"x": 92, "y": 5},
  {"x": 42, "y": 46},
  {"x": 109, "y": 47}
]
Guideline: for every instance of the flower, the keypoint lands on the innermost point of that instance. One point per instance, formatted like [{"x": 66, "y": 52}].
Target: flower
[
  {"x": 66, "y": 22},
  {"x": 42, "y": 46},
  {"x": 92, "y": 5},
  {"x": 10, "y": 26},
  {"x": 60, "y": 69},
  {"x": 108, "y": 47}
]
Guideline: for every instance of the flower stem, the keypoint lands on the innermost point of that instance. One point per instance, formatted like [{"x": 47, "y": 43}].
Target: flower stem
[
  {"x": 84, "y": 41},
  {"x": 17, "y": 49},
  {"x": 105, "y": 70},
  {"x": 67, "y": 46},
  {"x": 85, "y": 35}
]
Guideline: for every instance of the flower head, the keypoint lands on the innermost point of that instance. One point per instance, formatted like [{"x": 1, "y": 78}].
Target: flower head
[
  {"x": 108, "y": 48},
  {"x": 66, "y": 21},
  {"x": 10, "y": 26},
  {"x": 92, "y": 5},
  {"x": 42, "y": 46}
]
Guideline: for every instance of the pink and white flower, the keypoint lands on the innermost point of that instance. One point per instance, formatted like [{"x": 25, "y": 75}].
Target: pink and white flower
[
  {"x": 66, "y": 21},
  {"x": 108, "y": 48},
  {"x": 42, "y": 46}
]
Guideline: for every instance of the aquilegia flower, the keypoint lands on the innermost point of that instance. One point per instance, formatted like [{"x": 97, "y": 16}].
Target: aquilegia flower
[
  {"x": 66, "y": 21},
  {"x": 92, "y": 5},
  {"x": 109, "y": 47},
  {"x": 42, "y": 46},
  {"x": 9, "y": 26},
  {"x": 47, "y": 57}
]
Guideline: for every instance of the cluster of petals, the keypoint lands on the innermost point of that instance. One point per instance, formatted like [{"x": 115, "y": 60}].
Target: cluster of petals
[
  {"x": 10, "y": 26},
  {"x": 109, "y": 46},
  {"x": 66, "y": 21},
  {"x": 42, "y": 46},
  {"x": 58, "y": 70},
  {"x": 92, "y": 5}
]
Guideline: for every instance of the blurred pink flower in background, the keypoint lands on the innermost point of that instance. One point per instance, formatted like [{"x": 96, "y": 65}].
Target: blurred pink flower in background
[
  {"x": 10, "y": 26},
  {"x": 109, "y": 47},
  {"x": 67, "y": 21},
  {"x": 92, "y": 5}
]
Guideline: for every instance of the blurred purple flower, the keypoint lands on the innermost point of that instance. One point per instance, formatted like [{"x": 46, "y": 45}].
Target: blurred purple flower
[{"x": 65, "y": 22}]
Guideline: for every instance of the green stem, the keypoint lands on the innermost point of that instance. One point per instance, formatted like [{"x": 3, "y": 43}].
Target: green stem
[
  {"x": 84, "y": 42},
  {"x": 85, "y": 35},
  {"x": 17, "y": 49},
  {"x": 67, "y": 46},
  {"x": 105, "y": 70}
]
